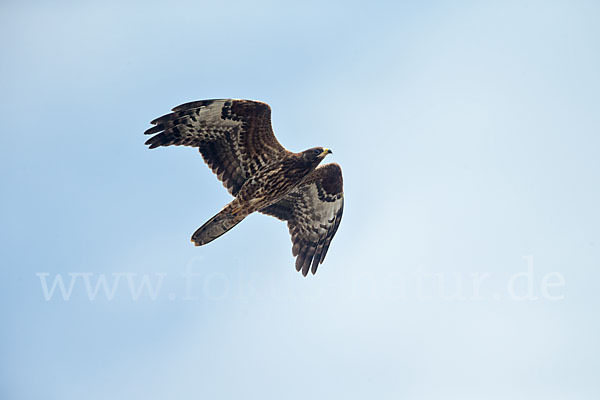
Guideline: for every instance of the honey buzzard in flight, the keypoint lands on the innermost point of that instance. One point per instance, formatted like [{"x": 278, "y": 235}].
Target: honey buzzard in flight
[{"x": 237, "y": 142}]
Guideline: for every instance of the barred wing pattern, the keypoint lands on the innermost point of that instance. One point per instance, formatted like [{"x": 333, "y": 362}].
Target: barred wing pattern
[
  {"x": 234, "y": 137},
  {"x": 313, "y": 212}
]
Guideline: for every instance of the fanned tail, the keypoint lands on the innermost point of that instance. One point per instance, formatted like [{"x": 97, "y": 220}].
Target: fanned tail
[{"x": 215, "y": 227}]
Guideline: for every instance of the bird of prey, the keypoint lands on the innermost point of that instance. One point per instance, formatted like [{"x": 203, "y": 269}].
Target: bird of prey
[{"x": 236, "y": 140}]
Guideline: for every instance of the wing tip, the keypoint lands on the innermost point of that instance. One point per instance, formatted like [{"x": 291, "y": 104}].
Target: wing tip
[
  {"x": 153, "y": 142},
  {"x": 153, "y": 129}
]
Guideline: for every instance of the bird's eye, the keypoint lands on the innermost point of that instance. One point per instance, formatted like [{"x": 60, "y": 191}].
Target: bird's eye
[{"x": 317, "y": 151}]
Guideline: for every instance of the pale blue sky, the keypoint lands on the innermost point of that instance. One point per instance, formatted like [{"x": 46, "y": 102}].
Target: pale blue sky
[{"x": 468, "y": 137}]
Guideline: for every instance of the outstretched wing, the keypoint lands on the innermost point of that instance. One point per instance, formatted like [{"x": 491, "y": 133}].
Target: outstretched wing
[
  {"x": 313, "y": 212},
  {"x": 234, "y": 137}
]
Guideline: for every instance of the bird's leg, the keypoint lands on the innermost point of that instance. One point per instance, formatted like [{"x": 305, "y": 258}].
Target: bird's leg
[
  {"x": 250, "y": 206},
  {"x": 234, "y": 208}
]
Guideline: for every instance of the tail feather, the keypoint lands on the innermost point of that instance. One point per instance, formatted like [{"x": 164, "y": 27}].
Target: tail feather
[{"x": 215, "y": 227}]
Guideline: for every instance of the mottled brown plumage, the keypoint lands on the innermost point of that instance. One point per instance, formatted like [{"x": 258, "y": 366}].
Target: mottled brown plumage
[{"x": 237, "y": 142}]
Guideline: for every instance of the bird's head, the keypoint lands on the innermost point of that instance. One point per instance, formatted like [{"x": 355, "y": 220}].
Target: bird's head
[{"x": 316, "y": 154}]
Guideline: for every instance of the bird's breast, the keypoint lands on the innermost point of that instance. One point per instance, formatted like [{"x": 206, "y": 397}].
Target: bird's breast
[{"x": 269, "y": 185}]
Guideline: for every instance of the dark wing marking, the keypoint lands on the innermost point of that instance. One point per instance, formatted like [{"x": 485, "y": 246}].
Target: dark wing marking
[
  {"x": 234, "y": 137},
  {"x": 313, "y": 212}
]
